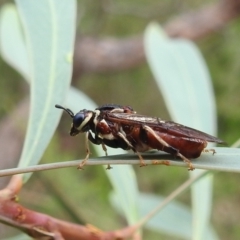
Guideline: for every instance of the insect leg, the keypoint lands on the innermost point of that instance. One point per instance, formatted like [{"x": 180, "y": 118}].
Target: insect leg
[
  {"x": 105, "y": 150},
  {"x": 210, "y": 150},
  {"x": 164, "y": 143},
  {"x": 80, "y": 166},
  {"x": 97, "y": 141},
  {"x": 142, "y": 163}
]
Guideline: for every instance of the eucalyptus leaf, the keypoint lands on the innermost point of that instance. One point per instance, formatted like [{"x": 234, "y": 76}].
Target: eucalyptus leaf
[
  {"x": 12, "y": 45},
  {"x": 183, "y": 78},
  {"x": 76, "y": 100},
  {"x": 49, "y": 29},
  {"x": 58, "y": 45}
]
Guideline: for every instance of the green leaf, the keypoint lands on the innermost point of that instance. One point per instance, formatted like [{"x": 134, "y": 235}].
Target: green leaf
[
  {"x": 76, "y": 100},
  {"x": 50, "y": 79},
  {"x": 49, "y": 40},
  {"x": 183, "y": 79},
  {"x": 12, "y": 45}
]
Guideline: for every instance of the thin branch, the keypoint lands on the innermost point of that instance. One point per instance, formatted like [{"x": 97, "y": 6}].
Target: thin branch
[
  {"x": 103, "y": 58},
  {"x": 113, "y": 54},
  {"x": 40, "y": 225},
  {"x": 225, "y": 159}
]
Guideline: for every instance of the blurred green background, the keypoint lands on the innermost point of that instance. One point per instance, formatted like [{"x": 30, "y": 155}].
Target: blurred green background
[{"x": 55, "y": 192}]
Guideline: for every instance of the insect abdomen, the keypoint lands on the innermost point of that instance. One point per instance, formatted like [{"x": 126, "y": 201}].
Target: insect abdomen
[{"x": 188, "y": 147}]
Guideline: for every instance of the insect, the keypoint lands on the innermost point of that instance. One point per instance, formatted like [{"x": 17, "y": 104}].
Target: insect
[{"x": 119, "y": 126}]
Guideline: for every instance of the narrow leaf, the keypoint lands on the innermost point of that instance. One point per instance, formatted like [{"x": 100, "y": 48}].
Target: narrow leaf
[
  {"x": 12, "y": 45},
  {"x": 183, "y": 79},
  {"x": 49, "y": 28},
  {"x": 77, "y": 100}
]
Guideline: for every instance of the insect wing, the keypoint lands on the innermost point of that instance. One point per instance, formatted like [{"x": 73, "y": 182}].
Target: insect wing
[
  {"x": 168, "y": 127},
  {"x": 184, "y": 131}
]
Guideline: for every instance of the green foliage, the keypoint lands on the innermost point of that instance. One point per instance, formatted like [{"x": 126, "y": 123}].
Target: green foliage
[
  {"x": 41, "y": 57},
  {"x": 183, "y": 79}
]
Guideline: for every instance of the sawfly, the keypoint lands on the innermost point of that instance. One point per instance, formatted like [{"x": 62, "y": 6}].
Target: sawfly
[{"x": 119, "y": 126}]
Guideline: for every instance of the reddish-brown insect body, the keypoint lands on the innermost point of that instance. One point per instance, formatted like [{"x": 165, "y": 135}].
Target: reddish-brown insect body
[{"x": 120, "y": 127}]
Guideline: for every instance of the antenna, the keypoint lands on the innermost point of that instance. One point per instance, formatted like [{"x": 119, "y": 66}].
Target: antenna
[{"x": 65, "y": 109}]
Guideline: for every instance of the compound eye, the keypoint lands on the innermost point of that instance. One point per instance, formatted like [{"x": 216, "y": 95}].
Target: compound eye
[{"x": 78, "y": 119}]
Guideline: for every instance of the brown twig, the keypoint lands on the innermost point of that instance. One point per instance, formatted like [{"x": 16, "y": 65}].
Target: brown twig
[
  {"x": 112, "y": 54},
  {"x": 40, "y": 225}
]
